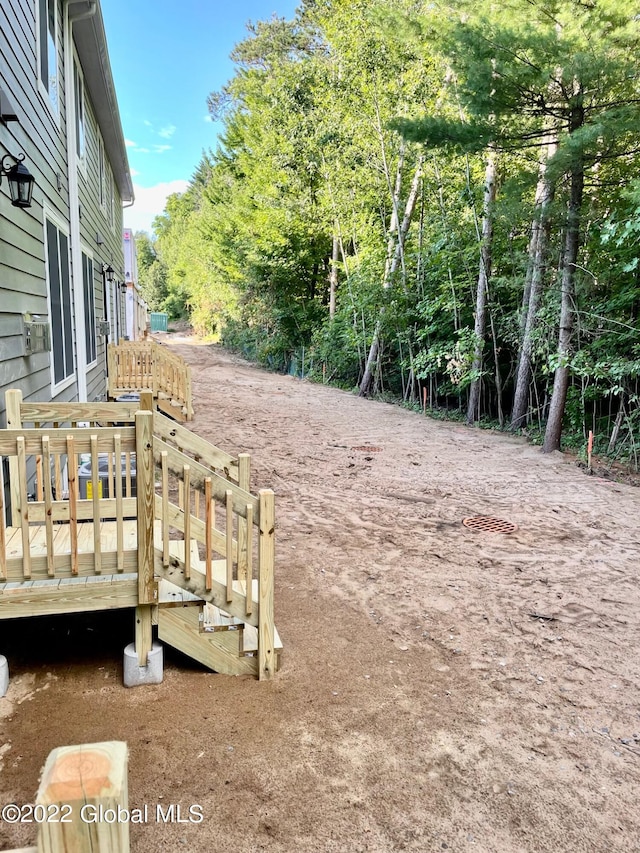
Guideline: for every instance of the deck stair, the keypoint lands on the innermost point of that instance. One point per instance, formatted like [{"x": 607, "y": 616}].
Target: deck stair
[
  {"x": 178, "y": 535},
  {"x": 201, "y": 629}
]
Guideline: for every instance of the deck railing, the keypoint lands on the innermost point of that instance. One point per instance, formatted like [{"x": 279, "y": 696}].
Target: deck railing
[
  {"x": 147, "y": 365},
  {"x": 167, "y": 504}
]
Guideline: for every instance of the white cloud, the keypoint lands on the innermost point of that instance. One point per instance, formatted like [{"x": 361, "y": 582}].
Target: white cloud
[
  {"x": 207, "y": 118},
  {"x": 147, "y": 123},
  {"x": 130, "y": 144},
  {"x": 149, "y": 203},
  {"x": 160, "y": 149},
  {"x": 168, "y": 131}
]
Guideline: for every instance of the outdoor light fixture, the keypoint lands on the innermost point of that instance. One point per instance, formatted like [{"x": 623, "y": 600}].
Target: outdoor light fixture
[
  {"x": 109, "y": 273},
  {"x": 20, "y": 179}
]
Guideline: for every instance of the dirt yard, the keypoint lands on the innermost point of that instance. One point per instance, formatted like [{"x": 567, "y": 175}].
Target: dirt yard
[{"x": 440, "y": 688}]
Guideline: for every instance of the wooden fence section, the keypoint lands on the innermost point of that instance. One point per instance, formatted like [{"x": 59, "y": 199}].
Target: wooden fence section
[
  {"x": 146, "y": 365},
  {"x": 100, "y": 514}
]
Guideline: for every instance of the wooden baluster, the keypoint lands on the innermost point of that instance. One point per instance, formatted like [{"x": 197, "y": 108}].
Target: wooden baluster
[
  {"x": 266, "y": 631},
  {"x": 110, "y": 483},
  {"x": 127, "y": 473},
  {"x": 229, "y": 542},
  {"x": 39, "y": 488},
  {"x": 197, "y": 496},
  {"x": 48, "y": 504},
  {"x": 117, "y": 445},
  {"x": 57, "y": 467},
  {"x": 186, "y": 473},
  {"x": 96, "y": 492},
  {"x": 244, "y": 529},
  {"x": 249, "y": 561},
  {"x": 72, "y": 468},
  {"x": 24, "y": 507},
  {"x": 208, "y": 512},
  {"x": 165, "y": 507}
]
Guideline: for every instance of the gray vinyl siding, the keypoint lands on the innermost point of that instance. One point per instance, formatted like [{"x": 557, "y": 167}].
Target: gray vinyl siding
[
  {"x": 43, "y": 140},
  {"x": 94, "y": 223}
]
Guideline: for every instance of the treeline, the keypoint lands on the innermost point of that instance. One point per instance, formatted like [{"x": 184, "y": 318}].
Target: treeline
[{"x": 440, "y": 203}]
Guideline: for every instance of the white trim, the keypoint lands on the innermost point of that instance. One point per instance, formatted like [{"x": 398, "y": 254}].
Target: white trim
[
  {"x": 75, "y": 65},
  {"x": 60, "y": 225},
  {"x": 84, "y": 250},
  {"x": 42, "y": 89},
  {"x": 74, "y": 213}
]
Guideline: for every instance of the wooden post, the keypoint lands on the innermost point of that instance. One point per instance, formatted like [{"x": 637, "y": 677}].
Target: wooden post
[
  {"x": 13, "y": 401},
  {"x": 266, "y": 632},
  {"x": 144, "y": 632},
  {"x": 88, "y": 786},
  {"x": 145, "y": 512},
  {"x": 146, "y": 401}
]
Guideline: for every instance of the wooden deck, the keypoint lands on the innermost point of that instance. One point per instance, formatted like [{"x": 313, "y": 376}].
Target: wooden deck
[{"x": 110, "y": 514}]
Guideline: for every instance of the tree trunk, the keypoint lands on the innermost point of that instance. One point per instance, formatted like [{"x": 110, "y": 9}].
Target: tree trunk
[
  {"x": 484, "y": 274},
  {"x": 391, "y": 267},
  {"x": 538, "y": 247},
  {"x": 333, "y": 276},
  {"x": 553, "y": 431}
]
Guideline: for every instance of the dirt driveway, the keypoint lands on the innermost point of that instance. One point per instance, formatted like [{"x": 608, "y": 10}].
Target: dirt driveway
[{"x": 440, "y": 688}]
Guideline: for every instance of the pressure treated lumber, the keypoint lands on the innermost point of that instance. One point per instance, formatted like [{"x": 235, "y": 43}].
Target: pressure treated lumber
[
  {"x": 266, "y": 551},
  {"x": 71, "y": 595},
  {"x": 146, "y": 500},
  {"x": 83, "y": 780},
  {"x": 190, "y": 443},
  {"x": 220, "y": 650},
  {"x": 66, "y": 554}
]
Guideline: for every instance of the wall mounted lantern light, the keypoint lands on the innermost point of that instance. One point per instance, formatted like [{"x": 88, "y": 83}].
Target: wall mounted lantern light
[
  {"x": 20, "y": 179},
  {"x": 109, "y": 273}
]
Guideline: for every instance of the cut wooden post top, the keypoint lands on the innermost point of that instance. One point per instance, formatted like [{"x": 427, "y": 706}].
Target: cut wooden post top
[{"x": 84, "y": 772}]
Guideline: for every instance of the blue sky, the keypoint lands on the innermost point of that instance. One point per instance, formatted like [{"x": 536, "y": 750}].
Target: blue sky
[{"x": 166, "y": 57}]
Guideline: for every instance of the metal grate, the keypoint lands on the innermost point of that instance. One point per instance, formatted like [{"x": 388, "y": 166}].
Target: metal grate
[
  {"x": 489, "y": 524},
  {"x": 365, "y": 448}
]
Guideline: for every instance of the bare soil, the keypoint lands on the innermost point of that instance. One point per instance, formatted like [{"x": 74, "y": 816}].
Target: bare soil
[{"x": 440, "y": 688}]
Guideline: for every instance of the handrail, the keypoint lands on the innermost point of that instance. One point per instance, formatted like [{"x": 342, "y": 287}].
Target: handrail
[
  {"x": 182, "y": 484},
  {"x": 147, "y": 365}
]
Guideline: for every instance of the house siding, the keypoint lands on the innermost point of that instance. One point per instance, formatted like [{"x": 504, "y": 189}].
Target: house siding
[
  {"x": 43, "y": 140},
  {"x": 94, "y": 223}
]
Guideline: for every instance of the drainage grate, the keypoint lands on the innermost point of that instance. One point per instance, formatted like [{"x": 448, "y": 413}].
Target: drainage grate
[
  {"x": 488, "y": 524},
  {"x": 365, "y": 448}
]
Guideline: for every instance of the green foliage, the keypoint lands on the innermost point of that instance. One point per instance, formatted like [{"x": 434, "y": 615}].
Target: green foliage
[{"x": 325, "y": 121}]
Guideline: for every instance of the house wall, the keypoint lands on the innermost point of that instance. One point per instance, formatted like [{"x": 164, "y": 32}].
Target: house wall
[
  {"x": 103, "y": 239},
  {"x": 43, "y": 139}
]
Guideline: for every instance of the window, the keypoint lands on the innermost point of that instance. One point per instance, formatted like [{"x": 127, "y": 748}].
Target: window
[
  {"x": 89, "y": 308},
  {"x": 58, "y": 279},
  {"x": 78, "y": 94},
  {"x": 48, "y": 51}
]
